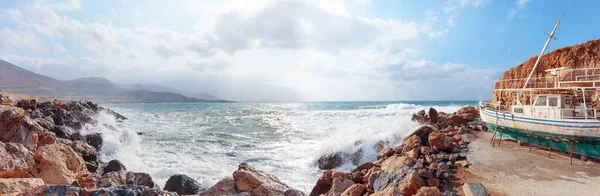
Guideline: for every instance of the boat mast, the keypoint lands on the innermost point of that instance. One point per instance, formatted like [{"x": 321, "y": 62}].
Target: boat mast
[{"x": 550, "y": 37}]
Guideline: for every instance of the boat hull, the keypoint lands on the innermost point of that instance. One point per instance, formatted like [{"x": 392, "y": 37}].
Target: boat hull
[{"x": 583, "y": 136}]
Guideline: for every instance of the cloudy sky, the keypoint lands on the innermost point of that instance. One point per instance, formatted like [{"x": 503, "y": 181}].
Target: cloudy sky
[{"x": 271, "y": 50}]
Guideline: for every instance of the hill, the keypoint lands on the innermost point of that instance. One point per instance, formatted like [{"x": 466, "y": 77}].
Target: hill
[{"x": 18, "y": 80}]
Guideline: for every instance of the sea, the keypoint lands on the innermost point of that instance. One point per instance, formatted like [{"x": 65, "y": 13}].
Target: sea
[{"x": 207, "y": 141}]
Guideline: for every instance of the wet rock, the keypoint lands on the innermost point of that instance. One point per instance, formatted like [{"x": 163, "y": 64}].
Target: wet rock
[
  {"x": 92, "y": 106},
  {"x": 293, "y": 192},
  {"x": 63, "y": 131},
  {"x": 95, "y": 140},
  {"x": 433, "y": 116},
  {"x": 382, "y": 180},
  {"x": 11, "y": 186},
  {"x": 385, "y": 153},
  {"x": 428, "y": 191},
  {"x": 248, "y": 179},
  {"x": 330, "y": 161},
  {"x": 56, "y": 190},
  {"x": 355, "y": 190},
  {"x": 15, "y": 160},
  {"x": 92, "y": 166},
  {"x": 323, "y": 184},
  {"x": 87, "y": 152},
  {"x": 114, "y": 165},
  {"x": 183, "y": 185},
  {"x": 223, "y": 187},
  {"x": 411, "y": 183},
  {"x": 57, "y": 164},
  {"x": 77, "y": 136}
]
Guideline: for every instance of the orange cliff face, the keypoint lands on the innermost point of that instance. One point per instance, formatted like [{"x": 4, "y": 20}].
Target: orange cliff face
[{"x": 585, "y": 55}]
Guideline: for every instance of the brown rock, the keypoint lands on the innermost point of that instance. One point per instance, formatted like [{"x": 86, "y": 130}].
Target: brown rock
[
  {"x": 463, "y": 163},
  {"x": 469, "y": 113},
  {"x": 423, "y": 134},
  {"x": 439, "y": 141},
  {"x": 323, "y": 184},
  {"x": 339, "y": 185},
  {"x": 57, "y": 164},
  {"x": 433, "y": 115},
  {"x": 223, "y": 187},
  {"x": 15, "y": 160},
  {"x": 396, "y": 163},
  {"x": 86, "y": 180},
  {"x": 248, "y": 179},
  {"x": 410, "y": 143},
  {"x": 368, "y": 175},
  {"x": 11, "y": 186},
  {"x": 386, "y": 153},
  {"x": 429, "y": 191},
  {"x": 414, "y": 153},
  {"x": 411, "y": 184},
  {"x": 394, "y": 191},
  {"x": 87, "y": 152},
  {"x": 18, "y": 127},
  {"x": 355, "y": 190},
  {"x": 433, "y": 182}
]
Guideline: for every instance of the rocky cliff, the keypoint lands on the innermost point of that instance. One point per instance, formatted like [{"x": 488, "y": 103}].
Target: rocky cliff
[{"x": 585, "y": 55}]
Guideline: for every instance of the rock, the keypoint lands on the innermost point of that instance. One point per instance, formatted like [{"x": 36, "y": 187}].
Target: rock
[
  {"x": 95, "y": 140},
  {"x": 131, "y": 190},
  {"x": 439, "y": 141},
  {"x": 468, "y": 113},
  {"x": 450, "y": 193},
  {"x": 463, "y": 163},
  {"x": 411, "y": 183},
  {"x": 355, "y": 190},
  {"x": 15, "y": 160},
  {"x": 323, "y": 184},
  {"x": 428, "y": 191},
  {"x": 248, "y": 179},
  {"x": 414, "y": 153},
  {"x": 92, "y": 106},
  {"x": 367, "y": 166},
  {"x": 77, "y": 136},
  {"x": 442, "y": 174},
  {"x": 433, "y": 116},
  {"x": 57, "y": 164},
  {"x": 339, "y": 185},
  {"x": 397, "y": 163},
  {"x": 123, "y": 177},
  {"x": 46, "y": 122},
  {"x": 223, "y": 187},
  {"x": 410, "y": 143},
  {"x": 27, "y": 104},
  {"x": 427, "y": 174},
  {"x": 293, "y": 192},
  {"x": 330, "y": 161},
  {"x": 114, "y": 165},
  {"x": 87, "y": 152},
  {"x": 17, "y": 127},
  {"x": 468, "y": 137},
  {"x": 423, "y": 134},
  {"x": 433, "y": 182},
  {"x": 392, "y": 191},
  {"x": 19, "y": 185},
  {"x": 382, "y": 180},
  {"x": 385, "y": 153},
  {"x": 183, "y": 185},
  {"x": 367, "y": 176},
  {"x": 86, "y": 180},
  {"x": 92, "y": 166},
  {"x": 357, "y": 176},
  {"x": 474, "y": 189},
  {"x": 55, "y": 190}
]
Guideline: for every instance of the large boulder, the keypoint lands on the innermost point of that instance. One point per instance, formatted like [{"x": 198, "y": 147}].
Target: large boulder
[
  {"x": 183, "y": 185},
  {"x": 382, "y": 180},
  {"x": 114, "y": 165},
  {"x": 31, "y": 104},
  {"x": 130, "y": 189},
  {"x": 16, "y": 126},
  {"x": 224, "y": 187},
  {"x": 323, "y": 184},
  {"x": 87, "y": 152},
  {"x": 249, "y": 179},
  {"x": 411, "y": 143},
  {"x": 10, "y": 186},
  {"x": 423, "y": 134},
  {"x": 468, "y": 113},
  {"x": 330, "y": 161},
  {"x": 433, "y": 115},
  {"x": 439, "y": 141},
  {"x": 57, "y": 164},
  {"x": 339, "y": 185},
  {"x": 411, "y": 183},
  {"x": 15, "y": 160},
  {"x": 355, "y": 190},
  {"x": 397, "y": 163}
]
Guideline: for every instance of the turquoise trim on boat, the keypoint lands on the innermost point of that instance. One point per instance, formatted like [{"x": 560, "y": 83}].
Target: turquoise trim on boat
[{"x": 587, "y": 146}]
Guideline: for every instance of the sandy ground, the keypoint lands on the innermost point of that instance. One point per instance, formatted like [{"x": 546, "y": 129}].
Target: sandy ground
[
  {"x": 16, "y": 97},
  {"x": 511, "y": 170}
]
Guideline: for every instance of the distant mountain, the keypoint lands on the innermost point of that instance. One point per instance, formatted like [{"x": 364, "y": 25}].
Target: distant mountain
[
  {"x": 16, "y": 79},
  {"x": 161, "y": 88}
]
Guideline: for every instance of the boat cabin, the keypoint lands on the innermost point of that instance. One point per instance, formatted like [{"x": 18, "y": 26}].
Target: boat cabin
[{"x": 555, "y": 106}]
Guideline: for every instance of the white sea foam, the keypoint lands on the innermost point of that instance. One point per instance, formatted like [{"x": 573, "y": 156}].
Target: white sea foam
[{"x": 281, "y": 139}]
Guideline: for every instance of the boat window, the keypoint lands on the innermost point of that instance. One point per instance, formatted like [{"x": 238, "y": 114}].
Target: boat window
[
  {"x": 518, "y": 110},
  {"x": 553, "y": 101},
  {"x": 541, "y": 101},
  {"x": 567, "y": 101}
]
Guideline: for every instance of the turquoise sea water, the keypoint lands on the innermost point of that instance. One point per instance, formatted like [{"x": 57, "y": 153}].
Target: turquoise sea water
[{"x": 207, "y": 141}]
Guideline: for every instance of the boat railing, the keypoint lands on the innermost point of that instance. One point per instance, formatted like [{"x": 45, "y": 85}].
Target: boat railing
[
  {"x": 544, "y": 112},
  {"x": 556, "y": 78}
]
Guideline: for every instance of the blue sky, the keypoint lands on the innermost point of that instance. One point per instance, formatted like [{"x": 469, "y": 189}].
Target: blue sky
[{"x": 271, "y": 50}]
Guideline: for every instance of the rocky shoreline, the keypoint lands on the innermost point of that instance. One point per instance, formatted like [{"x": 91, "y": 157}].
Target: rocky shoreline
[{"x": 43, "y": 152}]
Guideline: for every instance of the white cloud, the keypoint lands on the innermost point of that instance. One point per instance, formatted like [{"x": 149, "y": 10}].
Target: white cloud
[
  {"x": 59, "y": 48},
  {"x": 67, "y": 5},
  {"x": 18, "y": 39},
  {"x": 522, "y": 3},
  {"x": 518, "y": 10}
]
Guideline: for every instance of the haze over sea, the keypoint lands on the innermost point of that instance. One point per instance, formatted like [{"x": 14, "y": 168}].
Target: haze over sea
[{"x": 208, "y": 140}]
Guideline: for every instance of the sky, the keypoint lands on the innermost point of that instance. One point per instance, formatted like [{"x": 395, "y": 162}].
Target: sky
[{"x": 292, "y": 50}]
